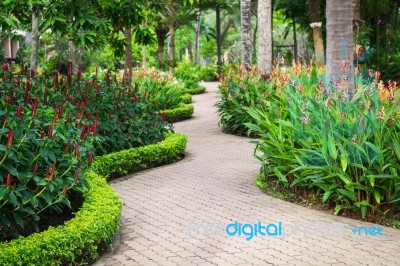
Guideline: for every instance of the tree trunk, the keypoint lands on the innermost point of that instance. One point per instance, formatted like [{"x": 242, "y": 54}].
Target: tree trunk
[
  {"x": 356, "y": 9},
  {"x": 245, "y": 11},
  {"x": 255, "y": 37},
  {"x": 197, "y": 41},
  {"x": 219, "y": 40},
  {"x": 35, "y": 38},
  {"x": 340, "y": 43},
  {"x": 171, "y": 48},
  {"x": 144, "y": 58},
  {"x": 190, "y": 48},
  {"x": 319, "y": 50},
  {"x": 72, "y": 54},
  {"x": 128, "y": 53},
  {"x": 161, "y": 32},
  {"x": 264, "y": 57}
]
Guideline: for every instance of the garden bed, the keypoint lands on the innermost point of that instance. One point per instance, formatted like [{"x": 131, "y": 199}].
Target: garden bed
[
  {"x": 95, "y": 224},
  {"x": 196, "y": 90}
]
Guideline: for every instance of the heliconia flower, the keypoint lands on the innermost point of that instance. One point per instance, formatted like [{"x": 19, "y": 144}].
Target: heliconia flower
[
  {"x": 50, "y": 134},
  {"x": 8, "y": 180},
  {"x": 10, "y": 136},
  {"x": 19, "y": 111},
  {"x": 8, "y": 100},
  {"x": 76, "y": 149},
  {"x": 377, "y": 75},
  {"x": 90, "y": 158},
  {"x": 28, "y": 85},
  {"x": 65, "y": 190},
  {"x": 35, "y": 168},
  {"x": 32, "y": 72},
  {"x": 42, "y": 134},
  {"x": 94, "y": 128}
]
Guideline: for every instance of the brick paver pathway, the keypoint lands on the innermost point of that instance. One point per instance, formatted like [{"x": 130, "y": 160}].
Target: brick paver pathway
[{"x": 167, "y": 210}]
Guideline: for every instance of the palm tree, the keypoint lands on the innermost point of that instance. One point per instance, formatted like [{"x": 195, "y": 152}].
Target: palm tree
[
  {"x": 245, "y": 9},
  {"x": 340, "y": 44},
  {"x": 264, "y": 57},
  {"x": 314, "y": 6}
]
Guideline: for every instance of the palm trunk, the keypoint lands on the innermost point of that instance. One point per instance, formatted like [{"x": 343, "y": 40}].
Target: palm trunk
[
  {"x": 245, "y": 8},
  {"x": 340, "y": 43},
  {"x": 255, "y": 37},
  {"x": 197, "y": 41},
  {"x": 190, "y": 48},
  {"x": 171, "y": 48},
  {"x": 319, "y": 50},
  {"x": 35, "y": 38},
  {"x": 219, "y": 40},
  {"x": 128, "y": 53},
  {"x": 295, "y": 41},
  {"x": 161, "y": 33},
  {"x": 264, "y": 57}
]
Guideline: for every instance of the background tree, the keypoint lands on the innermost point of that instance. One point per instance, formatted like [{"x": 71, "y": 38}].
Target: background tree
[
  {"x": 246, "y": 49},
  {"x": 340, "y": 44},
  {"x": 264, "y": 57},
  {"x": 319, "y": 49}
]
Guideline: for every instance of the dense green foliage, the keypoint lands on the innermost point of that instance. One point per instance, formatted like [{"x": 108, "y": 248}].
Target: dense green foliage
[
  {"x": 76, "y": 241},
  {"x": 182, "y": 112},
  {"x": 316, "y": 138},
  {"x": 52, "y": 127}
]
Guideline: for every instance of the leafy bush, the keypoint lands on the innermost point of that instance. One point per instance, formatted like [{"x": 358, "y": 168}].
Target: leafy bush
[
  {"x": 316, "y": 138},
  {"x": 198, "y": 90},
  {"x": 158, "y": 87},
  {"x": 78, "y": 239},
  {"x": 209, "y": 72},
  {"x": 96, "y": 222},
  {"x": 182, "y": 112},
  {"x": 132, "y": 160},
  {"x": 239, "y": 89},
  {"x": 52, "y": 129},
  {"x": 186, "y": 98}
]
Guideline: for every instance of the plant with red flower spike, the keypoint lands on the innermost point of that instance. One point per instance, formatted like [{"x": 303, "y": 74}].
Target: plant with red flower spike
[
  {"x": 19, "y": 111},
  {"x": 5, "y": 67},
  {"x": 90, "y": 158},
  {"x": 8, "y": 180},
  {"x": 50, "y": 134},
  {"x": 76, "y": 149},
  {"x": 10, "y": 136}
]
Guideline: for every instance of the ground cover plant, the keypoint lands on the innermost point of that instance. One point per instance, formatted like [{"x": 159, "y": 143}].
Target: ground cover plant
[
  {"x": 52, "y": 127},
  {"x": 315, "y": 139}
]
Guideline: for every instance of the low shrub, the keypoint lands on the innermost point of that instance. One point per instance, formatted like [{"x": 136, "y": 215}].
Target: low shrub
[
  {"x": 196, "y": 90},
  {"x": 186, "y": 98},
  {"x": 183, "y": 112},
  {"x": 132, "y": 160},
  {"x": 79, "y": 239}
]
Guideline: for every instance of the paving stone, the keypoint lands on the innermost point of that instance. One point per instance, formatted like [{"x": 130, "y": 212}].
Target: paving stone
[{"x": 171, "y": 213}]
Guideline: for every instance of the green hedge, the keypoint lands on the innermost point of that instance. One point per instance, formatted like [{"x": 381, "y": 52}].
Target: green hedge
[
  {"x": 187, "y": 98},
  {"x": 198, "y": 90},
  {"x": 78, "y": 239},
  {"x": 95, "y": 224},
  {"x": 183, "y": 112},
  {"x": 132, "y": 160}
]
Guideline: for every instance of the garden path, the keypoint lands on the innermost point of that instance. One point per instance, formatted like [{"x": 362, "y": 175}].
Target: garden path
[{"x": 166, "y": 210}]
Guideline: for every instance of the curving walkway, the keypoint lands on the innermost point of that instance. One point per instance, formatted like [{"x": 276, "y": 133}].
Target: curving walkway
[{"x": 175, "y": 214}]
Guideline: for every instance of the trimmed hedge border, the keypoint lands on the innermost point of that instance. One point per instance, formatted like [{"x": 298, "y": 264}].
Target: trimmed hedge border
[
  {"x": 132, "y": 160},
  {"x": 193, "y": 91},
  {"x": 187, "y": 98},
  {"x": 182, "y": 112},
  {"x": 95, "y": 224}
]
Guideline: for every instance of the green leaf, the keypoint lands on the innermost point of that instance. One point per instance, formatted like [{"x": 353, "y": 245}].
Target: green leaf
[
  {"x": 377, "y": 196},
  {"x": 344, "y": 157},
  {"x": 338, "y": 208},
  {"x": 326, "y": 196},
  {"x": 331, "y": 147},
  {"x": 351, "y": 196}
]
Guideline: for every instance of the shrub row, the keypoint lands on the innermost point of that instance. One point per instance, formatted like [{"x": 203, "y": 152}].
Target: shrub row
[
  {"x": 195, "y": 90},
  {"x": 186, "y": 98},
  {"x": 132, "y": 160},
  {"x": 183, "y": 112},
  {"x": 96, "y": 222}
]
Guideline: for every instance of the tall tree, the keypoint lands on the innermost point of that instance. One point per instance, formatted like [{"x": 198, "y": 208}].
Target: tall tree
[
  {"x": 319, "y": 50},
  {"x": 264, "y": 57},
  {"x": 197, "y": 38},
  {"x": 340, "y": 45},
  {"x": 245, "y": 11}
]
